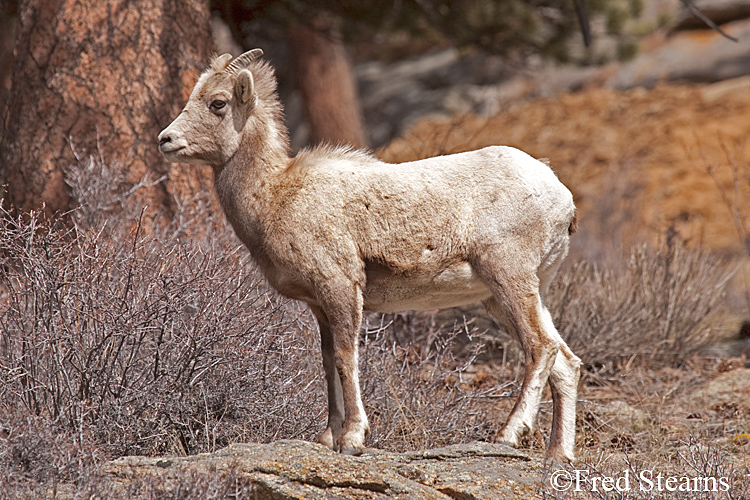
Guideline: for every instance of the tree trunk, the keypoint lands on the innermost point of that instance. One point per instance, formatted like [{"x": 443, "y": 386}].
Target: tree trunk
[
  {"x": 7, "y": 39},
  {"x": 100, "y": 79},
  {"x": 326, "y": 80}
]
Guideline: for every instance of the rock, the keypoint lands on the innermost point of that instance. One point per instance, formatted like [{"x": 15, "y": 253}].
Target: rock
[
  {"x": 696, "y": 56},
  {"x": 438, "y": 86},
  {"x": 729, "y": 349},
  {"x": 717, "y": 91},
  {"x": 303, "y": 470},
  {"x": 395, "y": 96},
  {"x": 622, "y": 417},
  {"x": 731, "y": 387}
]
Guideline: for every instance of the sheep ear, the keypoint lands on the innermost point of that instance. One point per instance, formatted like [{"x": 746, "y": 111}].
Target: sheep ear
[{"x": 244, "y": 87}]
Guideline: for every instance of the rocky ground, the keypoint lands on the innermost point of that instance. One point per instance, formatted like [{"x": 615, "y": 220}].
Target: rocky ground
[
  {"x": 673, "y": 421},
  {"x": 298, "y": 469}
]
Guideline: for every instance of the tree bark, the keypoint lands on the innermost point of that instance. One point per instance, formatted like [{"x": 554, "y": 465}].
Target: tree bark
[
  {"x": 326, "y": 80},
  {"x": 7, "y": 39},
  {"x": 101, "y": 78}
]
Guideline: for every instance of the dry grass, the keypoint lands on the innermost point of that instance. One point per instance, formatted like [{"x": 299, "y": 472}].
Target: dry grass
[
  {"x": 656, "y": 309},
  {"x": 116, "y": 339},
  {"x": 664, "y": 422}
]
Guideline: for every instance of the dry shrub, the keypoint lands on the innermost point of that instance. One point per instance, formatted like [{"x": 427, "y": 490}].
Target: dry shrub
[
  {"x": 140, "y": 342},
  {"x": 36, "y": 453},
  {"x": 190, "y": 485},
  {"x": 120, "y": 337},
  {"x": 153, "y": 342},
  {"x": 709, "y": 477},
  {"x": 117, "y": 342},
  {"x": 655, "y": 310},
  {"x": 424, "y": 393}
]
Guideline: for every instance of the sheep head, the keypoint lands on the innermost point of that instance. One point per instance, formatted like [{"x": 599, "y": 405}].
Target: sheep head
[{"x": 209, "y": 128}]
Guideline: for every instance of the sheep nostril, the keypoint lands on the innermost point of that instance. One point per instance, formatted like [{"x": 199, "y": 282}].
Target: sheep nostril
[{"x": 164, "y": 140}]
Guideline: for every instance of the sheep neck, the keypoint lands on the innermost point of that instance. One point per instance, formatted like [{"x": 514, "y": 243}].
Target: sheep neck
[{"x": 245, "y": 184}]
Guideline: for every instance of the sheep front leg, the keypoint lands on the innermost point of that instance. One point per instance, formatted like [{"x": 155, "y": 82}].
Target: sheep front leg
[
  {"x": 335, "y": 393},
  {"x": 344, "y": 314}
]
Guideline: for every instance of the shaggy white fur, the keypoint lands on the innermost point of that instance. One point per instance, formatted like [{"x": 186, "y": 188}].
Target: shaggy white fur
[{"x": 346, "y": 232}]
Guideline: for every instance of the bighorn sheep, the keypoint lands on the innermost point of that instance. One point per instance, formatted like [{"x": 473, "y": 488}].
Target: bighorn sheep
[{"x": 345, "y": 232}]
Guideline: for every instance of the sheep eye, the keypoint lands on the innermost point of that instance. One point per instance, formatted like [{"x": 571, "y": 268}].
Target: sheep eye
[{"x": 218, "y": 104}]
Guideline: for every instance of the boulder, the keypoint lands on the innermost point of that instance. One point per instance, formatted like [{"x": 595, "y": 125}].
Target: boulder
[
  {"x": 297, "y": 469},
  {"x": 395, "y": 96},
  {"x": 696, "y": 56}
]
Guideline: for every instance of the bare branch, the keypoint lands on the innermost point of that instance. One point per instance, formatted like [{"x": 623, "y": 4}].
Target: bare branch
[
  {"x": 700, "y": 15},
  {"x": 583, "y": 20}
]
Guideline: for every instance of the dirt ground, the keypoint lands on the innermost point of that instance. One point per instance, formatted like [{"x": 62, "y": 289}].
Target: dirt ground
[{"x": 689, "y": 421}]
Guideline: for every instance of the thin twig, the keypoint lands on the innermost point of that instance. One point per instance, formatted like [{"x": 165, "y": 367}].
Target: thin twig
[{"x": 700, "y": 15}]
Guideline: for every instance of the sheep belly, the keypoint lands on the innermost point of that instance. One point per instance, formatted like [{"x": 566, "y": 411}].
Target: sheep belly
[{"x": 456, "y": 285}]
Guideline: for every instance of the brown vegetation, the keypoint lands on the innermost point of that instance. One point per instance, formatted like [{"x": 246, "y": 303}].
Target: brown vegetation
[{"x": 115, "y": 342}]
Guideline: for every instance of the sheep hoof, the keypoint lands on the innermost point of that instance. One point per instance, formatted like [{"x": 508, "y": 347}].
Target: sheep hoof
[
  {"x": 355, "y": 452},
  {"x": 558, "y": 456},
  {"x": 351, "y": 443},
  {"x": 326, "y": 439}
]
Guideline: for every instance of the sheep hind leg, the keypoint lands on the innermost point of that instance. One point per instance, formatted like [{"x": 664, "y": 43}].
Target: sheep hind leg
[
  {"x": 335, "y": 394},
  {"x": 522, "y": 316},
  {"x": 563, "y": 381},
  {"x": 565, "y": 374}
]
